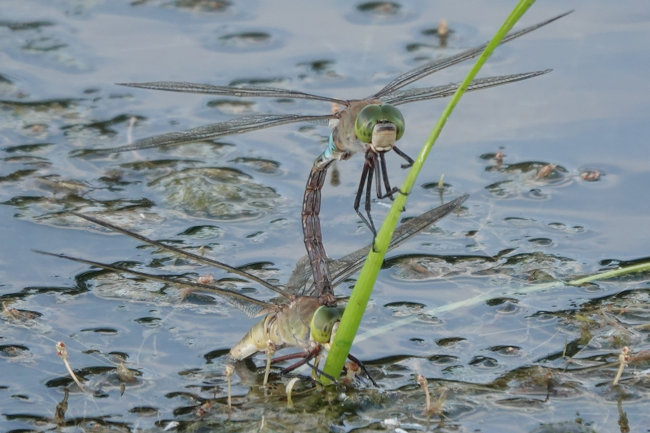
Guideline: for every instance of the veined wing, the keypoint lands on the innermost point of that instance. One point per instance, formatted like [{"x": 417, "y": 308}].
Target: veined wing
[
  {"x": 344, "y": 267},
  {"x": 341, "y": 268},
  {"x": 437, "y": 65},
  {"x": 424, "y": 93},
  {"x": 239, "y": 91},
  {"x": 180, "y": 252},
  {"x": 273, "y": 92},
  {"x": 250, "y": 306},
  {"x": 239, "y": 125}
]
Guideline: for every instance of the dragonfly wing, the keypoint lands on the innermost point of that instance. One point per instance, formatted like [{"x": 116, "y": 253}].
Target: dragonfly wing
[
  {"x": 437, "y": 65},
  {"x": 352, "y": 262},
  {"x": 240, "y": 125},
  {"x": 182, "y": 253},
  {"x": 250, "y": 306},
  {"x": 420, "y": 94},
  {"x": 239, "y": 91},
  {"x": 346, "y": 266},
  {"x": 301, "y": 275}
]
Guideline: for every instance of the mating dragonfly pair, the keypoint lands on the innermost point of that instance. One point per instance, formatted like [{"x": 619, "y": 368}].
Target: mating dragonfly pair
[{"x": 371, "y": 125}]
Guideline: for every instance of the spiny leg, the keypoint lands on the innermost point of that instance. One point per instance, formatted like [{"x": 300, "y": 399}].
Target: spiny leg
[
  {"x": 321, "y": 372},
  {"x": 307, "y": 356},
  {"x": 368, "y": 201},
  {"x": 390, "y": 191},
  {"x": 409, "y": 160},
  {"x": 373, "y": 161},
  {"x": 363, "y": 367},
  {"x": 305, "y": 359},
  {"x": 288, "y": 357},
  {"x": 365, "y": 183},
  {"x": 381, "y": 169}
]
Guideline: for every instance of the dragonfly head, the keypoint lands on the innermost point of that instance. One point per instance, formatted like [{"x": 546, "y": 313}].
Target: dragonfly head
[
  {"x": 380, "y": 126},
  {"x": 323, "y": 322}
]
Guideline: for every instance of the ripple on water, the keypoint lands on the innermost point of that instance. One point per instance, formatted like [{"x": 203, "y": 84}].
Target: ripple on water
[
  {"x": 384, "y": 12},
  {"x": 218, "y": 193},
  {"x": 246, "y": 40}
]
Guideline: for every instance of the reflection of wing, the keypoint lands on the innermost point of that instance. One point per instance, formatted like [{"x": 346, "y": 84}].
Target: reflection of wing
[{"x": 345, "y": 266}]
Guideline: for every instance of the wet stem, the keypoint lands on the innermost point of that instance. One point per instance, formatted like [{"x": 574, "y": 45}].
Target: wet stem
[{"x": 62, "y": 352}]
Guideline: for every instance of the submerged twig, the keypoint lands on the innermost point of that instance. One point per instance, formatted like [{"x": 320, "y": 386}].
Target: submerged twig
[
  {"x": 270, "y": 351},
  {"x": 623, "y": 359},
  {"x": 11, "y": 312},
  {"x": 204, "y": 409},
  {"x": 229, "y": 371},
  {"x": 289, "y": 390},
  {"x": 430, "y": 408},
  {"x": 61, "y": 408},
  {"x": 62, "y": 352},
  {"x": 422, "y": 381}
]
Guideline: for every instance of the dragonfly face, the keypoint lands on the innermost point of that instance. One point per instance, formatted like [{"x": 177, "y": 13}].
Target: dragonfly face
[{"x": 380, "y": 126}]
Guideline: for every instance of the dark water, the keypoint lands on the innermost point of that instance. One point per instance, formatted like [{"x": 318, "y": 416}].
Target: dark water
[{"x": 511, "y": 360}]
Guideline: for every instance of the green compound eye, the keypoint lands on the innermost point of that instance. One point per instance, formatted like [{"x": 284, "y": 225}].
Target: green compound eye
[
  {"x": 373, "y": 114},
  {"x": 322, "y": 323}
]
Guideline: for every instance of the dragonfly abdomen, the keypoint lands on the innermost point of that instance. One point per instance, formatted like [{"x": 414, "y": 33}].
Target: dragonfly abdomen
[{"x": 313, "y": 237}]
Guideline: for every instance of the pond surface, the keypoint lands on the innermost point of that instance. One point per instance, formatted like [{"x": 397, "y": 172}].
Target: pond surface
[{"x": 517, "y": 360}]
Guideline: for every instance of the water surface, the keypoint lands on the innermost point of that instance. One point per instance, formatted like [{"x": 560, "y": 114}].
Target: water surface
[{"x": 513, "y": 362}]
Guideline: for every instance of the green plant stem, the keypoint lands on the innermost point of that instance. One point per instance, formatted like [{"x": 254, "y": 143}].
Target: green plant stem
[
  {"x": 640, "y": 267},
  {"x": 361, "y": 294}
]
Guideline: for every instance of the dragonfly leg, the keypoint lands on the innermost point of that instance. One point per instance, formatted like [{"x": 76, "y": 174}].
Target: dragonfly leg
[
  {"x": 363, "y": 367},
  {"x": 321, "y": 372},
  {"x": 366, "y": 183},
  {"x": 368, "y": 200},
  {"x": 305, "y": 359},
  {"x": 381, "y": 169},
  {"x": 288, "y": 357},
  {"x": 389, "y": 190},
  {"x": 409, "y": 160}
]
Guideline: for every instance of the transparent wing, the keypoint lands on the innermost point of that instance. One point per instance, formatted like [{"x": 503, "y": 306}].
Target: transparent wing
[
  {"x": 197, "y": 258},
  {"x": 239, "y": 91},
  {"x": 344, "y": 267},
  {"x": 437, "y": 65},
  {"x": 423, "y": 93},
  {"x": 240, "y": 125},
  {"x": 250, "y": 306}
]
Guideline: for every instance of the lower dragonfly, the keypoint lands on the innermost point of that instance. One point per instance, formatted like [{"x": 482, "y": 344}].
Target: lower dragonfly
[
  {"x": 307, "y": 319},
  {"x": 371, "y": 125}
]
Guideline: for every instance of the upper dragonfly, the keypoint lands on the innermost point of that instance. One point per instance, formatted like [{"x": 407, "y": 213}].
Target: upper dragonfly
[{"x": 371, "y": 125}]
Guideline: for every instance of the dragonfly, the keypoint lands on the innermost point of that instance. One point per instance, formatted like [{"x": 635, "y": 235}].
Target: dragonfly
[
  {"x": 370, "y": 125},
  {"x": 305, "y": 319}
]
